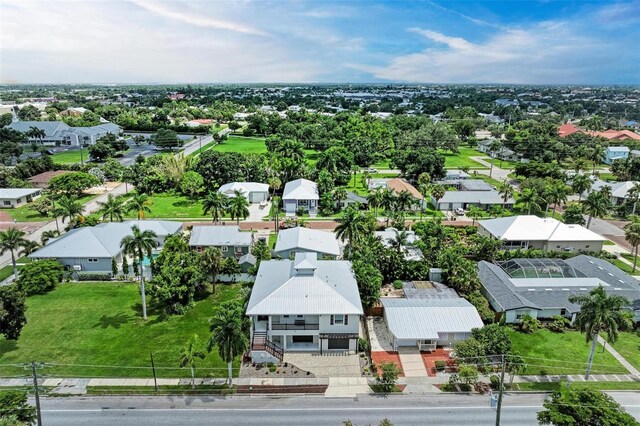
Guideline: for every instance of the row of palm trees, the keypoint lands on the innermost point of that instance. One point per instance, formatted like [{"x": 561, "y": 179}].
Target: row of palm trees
[{"x": 217, "y": 204}]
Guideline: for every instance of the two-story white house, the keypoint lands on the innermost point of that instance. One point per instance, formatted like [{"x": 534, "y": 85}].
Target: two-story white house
[
  {"x": 304, "y": 304},
  {"x": 300, "y": 194}
]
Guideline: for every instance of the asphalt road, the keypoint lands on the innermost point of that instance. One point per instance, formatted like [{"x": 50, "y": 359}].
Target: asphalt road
[{"x": 518, "y": 410}]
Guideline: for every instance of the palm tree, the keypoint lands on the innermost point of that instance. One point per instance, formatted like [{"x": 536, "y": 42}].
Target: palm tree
[
  {"x": 515, "y": 365},
  {"x": 633, "y": 196},
  {"x": 353, "y": 226},
  {"x": 139, "y": 204},
  {"x": 506, "y": 190},
  {"x": 12, "y": 239},
  {"x": 404, "y": 200},
  {"x": 113, "y": 207},
  {"x": 531, "y": 200},
  {"x": 437, "y": 192},
  {"x": 238, "y": 207},
  {"x": 599, "y": 313},
  {"x": 275, "y": 183},
  {"x": 212, "y": 262},
  {"x": 376, "y": 199},
  {"x": 68, "y": 208},
  {"x": 188, "y": 356},
  {"x": 401, "y": 240},
  {"x": 228, "y": 333},
  {"x": 275, "y": 211},
  {"x": 632, "y": 235},
  {"x": 137, "y": 245},
  {"x": 580, "y": 184},
  {"x": 215, "y": 203},
  {"x": 474, "y": 213},
  {"x": 556, "y": 194},
  {"x": 595, "y": 205},
  {"x": 28, "y": 247},
  {"x": 47, "y": 235},
  {"x": 339, "y": 195}
]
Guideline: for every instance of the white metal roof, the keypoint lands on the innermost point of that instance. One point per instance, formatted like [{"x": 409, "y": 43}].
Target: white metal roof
[
  {"x": 481, "y": 197},
  {"x": 15, "y": 193},
  {"x": 329, "y": 289},
  {"x": 425, "y": 318},
  {"x": 307, "y": 239},
  {"x": 534, "y": 228},
  {"x": 219, "y": 236},
  {"x": 300, "y": 189},
  {"x": 245, "y": 188}
]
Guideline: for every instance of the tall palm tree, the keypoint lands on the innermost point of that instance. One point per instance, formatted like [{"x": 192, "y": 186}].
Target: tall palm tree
[
  {"x": 47, "y": 235},
  {"x": 216, "y": 204},
  {"x": 376, "y": 199},
  {"x": 140, "y": 204},
  {"x": 632, "y": 235},
  {"x": 506, "y": 190},
  {"x": 495, "y": 146},
  {"x": 228, "y": 334},
  {"x": 188, "y": 357},
  {"x": 556, "y": 194},
  {"x": 274, "y": 183},
  {"x": 71, "y": 209},
  {"x": 633, "y": 196},
  {"x": 404, "y": 201},
  {"x": 388, "y": 203},
  {"x": 474, "y": 213},
  {"x": 137, "y": 245},
  {"x": 437, "y": 192},
  {"x": 28, "y": 247},
  {"x": 353, "y": 226},
  {"x": 595, "y": 205},
  {"x": 599, "y": 313},
  {"x": 275, "y": 211},
  {"x": 400, "y": 241},
  {"x": 12, "y": 239},
  {"x": 238, "y": 207},
  {"x": 580, "y": 184},
  {"x": 531, "y": 200},
  {"x": 212, "y": 262},
  {"x": 114, "y": 207}
]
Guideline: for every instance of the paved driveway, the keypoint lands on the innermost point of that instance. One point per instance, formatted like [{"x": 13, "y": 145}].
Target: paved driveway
[{"x": 333, "y": 364}]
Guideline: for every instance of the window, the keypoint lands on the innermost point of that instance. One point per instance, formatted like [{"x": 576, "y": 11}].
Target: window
[
  {"x": 521, "y": 312},
  {"x": 224, "y": 248},
  {"x": 563, "y": 312},
  {"x": 339, "y": 320},
  {"x": 263, "y": 318},
  {"x": 285, "y": 316},
  {"x": 300, "y": 316},
  {"x": 7, "y": 203},
  {"x": 587, "y": 246},
  {"x": 92, "y": 260}
]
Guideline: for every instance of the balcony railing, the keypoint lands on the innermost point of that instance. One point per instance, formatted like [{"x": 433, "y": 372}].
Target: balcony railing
[{"x": 305, "y": 326}]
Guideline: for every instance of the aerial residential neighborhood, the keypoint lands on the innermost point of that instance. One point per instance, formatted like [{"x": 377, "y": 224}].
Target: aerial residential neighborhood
[{"x": 319, "y": 213}]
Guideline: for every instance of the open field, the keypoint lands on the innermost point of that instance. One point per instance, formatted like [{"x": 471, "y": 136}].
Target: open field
[
  {"x": 628, "y": 345},
  {"x": 71, "y": 156},
  {"x": 99, "y": 324},
  {"x": 546, "y": 352},
  {"x": 462, "y": 158},
  {"x": 169, "y": 206},
  {"x": 240, "y": 144}
]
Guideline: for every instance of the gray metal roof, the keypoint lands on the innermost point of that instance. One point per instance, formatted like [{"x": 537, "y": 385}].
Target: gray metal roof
[
  {"x": 426, "y": 318},
  {"x": 15, "y": 193},
  {"x": 583, "y": 273},
  {"x": 300, "y": 189},
  {"x": 219, "y": 236},
  {"x": 481, "y": 197},
  {"x": 307, "y": 239},
  {"x": 352, "y": 196},
  {"x": 51, "y": 128},
  {"x": 101, "y": 240},
  {"x": 329, "y": 289},
  {"x": 475, "y": 185},
  {"x": 248, "y": 258}
]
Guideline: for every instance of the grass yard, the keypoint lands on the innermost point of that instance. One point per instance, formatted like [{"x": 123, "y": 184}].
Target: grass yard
[
  {"x": 99, "y": 324},
  {"x": 625, "y": 267},
  {"x": 24, "y": 214},
  {"x": 577, "y": 385},
  {"x": 241, "y": 144},
  {"x": 628, "y": 345},
  {"x": 546, "y": 352},
  {"x": 463, "y": 158},
  {"x": 608, "y": 243},
  {"x": 169, "y": 206},
  {"x": 71, "y": 156}
]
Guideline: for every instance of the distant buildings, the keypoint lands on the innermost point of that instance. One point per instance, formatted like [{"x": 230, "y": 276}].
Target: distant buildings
[
  {"x": 568, "y": 129},
  {"x": 615, "y": 153},
  {"x": 59, "y": 133}
]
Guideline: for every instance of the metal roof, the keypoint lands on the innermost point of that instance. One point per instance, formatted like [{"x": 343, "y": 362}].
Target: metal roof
[
  {"x": 15, "y": 193},
  {"x": 475, "y": 185},
  {"x": 219, "y": 236},
  {"x": 307, "y": 239},
  {"x": 245, "y": 188},
  {"x": 101, "y": 240},
  {"x": 300, "y": 189},
  {"x": 330, "y": 289},
  {"x": 426, "y": 318},
  {"x": 481, "y": 197},
  {"x": 534, "y": 228},
  {"x": 50, "y": 128}
]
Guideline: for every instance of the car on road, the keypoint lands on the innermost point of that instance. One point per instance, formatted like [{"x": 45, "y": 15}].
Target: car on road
[
  {"x": 370, "y": 170},
  {"x": 459, "y": 211}
]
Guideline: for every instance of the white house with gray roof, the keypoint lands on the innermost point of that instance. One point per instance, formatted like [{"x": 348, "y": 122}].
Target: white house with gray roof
[
  {"x": 300, "y": 194},
  {"x": 303, "y": 304},
  {"x": 59, "y": 133},
  {"x": 619, "y": 190},
  {"x": 15, "y": 197},
  {"x": 304, "y": 240},
  {"x": 464, "y": 199},
  {"x": 91, "y": 248},
  {"x": 254, "y": 192},
  {"x": 229, "y": 239},
  {"x": 542, "y": 287}
]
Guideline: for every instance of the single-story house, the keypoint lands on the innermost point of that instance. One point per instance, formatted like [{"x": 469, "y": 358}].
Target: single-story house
[
  {"x": 614, "y": 153},
  {"x": 300, "y": 194},
  {"x": 254, "y": 192},
  {"x": 456, "y": 175},
  {"x": 15, "y": 197},
  {"x": 542, "y": 287},
  {"x": 229, "y": 239},
  {"x": 377, "y": 183},
  {"x": 529, "y": 231},
  {"x": 399, "y": 185},
  {"x": 74, "y": 111},
  {"x": 429, "y": 322},
  {"x": 304, "y": 304},
  {"x": 305, "y": 240},
  {"x": 475, "y": 185},
  {"x": 410, "y": 251},
  {"x": 352, "y": 199},
  {"x": 91, "y": 248},
  {"x": 59, "y": 133},
  {"x": 464, "y": 199},
  {"x": 42, "y": 180},
  {"x": 619, "y": 190}
]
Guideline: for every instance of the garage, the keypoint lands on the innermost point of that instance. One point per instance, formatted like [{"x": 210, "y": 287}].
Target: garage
[
  {"x": 339, "y": 344},
  {"x": 258, "y": 197}
]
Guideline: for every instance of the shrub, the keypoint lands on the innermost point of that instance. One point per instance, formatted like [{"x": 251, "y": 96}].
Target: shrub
[
  {"x": 40, "y": 276},
  {"x": 495, "y": 382},
  {"x": 363, "y": 345},
  {"x": 468, "y": 374},
  {"x": 558, "y": 324},
  {"x": 440, "y": 365},
  {"x": 397, "y": 284},
  {"x": 272, "y": 367},
  {"x": 14, "y": 404},
  {"x": 529, "y": 324},
  {"x": 387, "y": 381},
  {"x": 94, "y": 276}
]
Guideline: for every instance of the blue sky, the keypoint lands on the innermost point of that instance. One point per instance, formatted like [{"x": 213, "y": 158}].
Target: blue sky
[{"x": 153, "y": 41}]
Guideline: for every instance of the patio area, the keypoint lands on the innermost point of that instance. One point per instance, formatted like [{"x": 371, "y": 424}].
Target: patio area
[
  {"x": 440, "y": 354},
  {"x": 332, "y": 364},
  {"x": 378, "y": 357}
]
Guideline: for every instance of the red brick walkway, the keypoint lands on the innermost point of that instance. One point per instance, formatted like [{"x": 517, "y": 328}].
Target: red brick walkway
[
  {"x": 378, "y": 357},
  {"x": 430, "y": 358}
]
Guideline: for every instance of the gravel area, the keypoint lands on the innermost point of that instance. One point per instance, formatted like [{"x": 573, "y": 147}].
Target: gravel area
[{"x": 249, "y": 369}]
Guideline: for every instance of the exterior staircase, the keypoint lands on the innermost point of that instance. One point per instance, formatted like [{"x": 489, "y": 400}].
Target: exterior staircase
[{"x": 260, "y": 342}]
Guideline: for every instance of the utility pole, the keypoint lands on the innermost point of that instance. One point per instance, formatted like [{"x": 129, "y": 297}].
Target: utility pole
[
  {"x": 153, "y": 368},
  {"x": 35, "y": 388},
  {"x": 504, "y": 365}
]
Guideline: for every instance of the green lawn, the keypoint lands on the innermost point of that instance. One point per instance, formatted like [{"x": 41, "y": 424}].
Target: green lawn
[
  {"x": 24, "y": 214},
  {"x": 546, "y": 352},
  {"x": 241, "y": 144},
  {"x": 71, "y": 156},
  {"x": 608, "y": 243},
  {"x": 99, "y": 324},
  {"x": 462, "y": 158},
  {"x": 577, "y": 385},
  {"x": 628, "y": 345},
  {"x": 169, "y": 206},
  {"x": 625, "y": 267},
  {"x": 271, "y": 243}
]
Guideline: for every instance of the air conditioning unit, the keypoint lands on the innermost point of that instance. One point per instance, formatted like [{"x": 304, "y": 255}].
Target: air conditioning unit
[{"x": 77, "y": 267}]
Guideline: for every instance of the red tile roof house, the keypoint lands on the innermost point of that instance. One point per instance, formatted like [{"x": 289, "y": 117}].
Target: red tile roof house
[
  {"x": 42, "y": 180},
  {"x": 570, "y": 128},
  {"x": 200, "y": 122}
]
